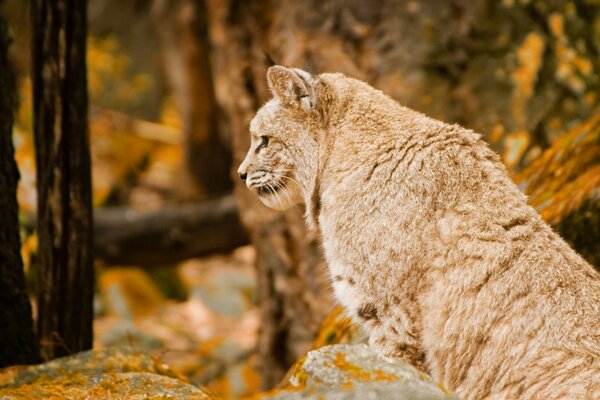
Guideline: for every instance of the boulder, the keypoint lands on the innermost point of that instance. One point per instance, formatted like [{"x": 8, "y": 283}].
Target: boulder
[
  {"x": 109, "y": 373},
  {"x": 564, "y": 187},
  {"x": 347, "y": 371}
]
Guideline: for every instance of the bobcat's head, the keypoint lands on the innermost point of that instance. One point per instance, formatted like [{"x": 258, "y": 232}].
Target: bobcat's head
[{"x": 282, "y": 160}]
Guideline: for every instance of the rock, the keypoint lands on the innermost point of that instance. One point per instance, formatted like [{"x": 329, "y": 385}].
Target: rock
[
  {"x": 233, "y": 380},
  {"x": 356, "y": 372},
  {"x": 226, "y": 284},
  {"x": 129, "y": 293},
  {"x": 123, "y": 332},
  {"x": 110, "y": 373},
  {"x": 225, "y": 293},
  {"x": 126, "y": 385},
  {"x": 564, "y": 187}
]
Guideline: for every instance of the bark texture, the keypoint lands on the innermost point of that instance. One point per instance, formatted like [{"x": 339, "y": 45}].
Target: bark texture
[
  {"x": 17, "y": 341},
  {"x": 294, "y": 293},
  {"x": 176, "y": 232},
  {"x": 183, "y": 33},
  {"x": 66, "y": 274}
]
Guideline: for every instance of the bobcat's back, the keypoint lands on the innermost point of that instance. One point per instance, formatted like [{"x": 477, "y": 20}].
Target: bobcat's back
[{"x": 430, "y": 246}]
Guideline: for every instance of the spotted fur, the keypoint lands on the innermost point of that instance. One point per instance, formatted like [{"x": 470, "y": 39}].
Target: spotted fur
[{"x": 431, "y": 247}]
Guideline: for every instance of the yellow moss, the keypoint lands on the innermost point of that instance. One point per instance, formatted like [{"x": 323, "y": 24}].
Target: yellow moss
[
  {"x": 142, "y": 297},
  {"x": 110, "y": 73},
  {"x": 161, "y": 368},
  {"x": 251, "y": 378},
  {"x": 497, "y": 132},
  {"x": 590, "y": 98},
  {"x": 358, "y": 373},
  {"x": 570, "y": 65},
  {"x": 298, "y": 374},
  {"x": 109, "y": 385},
  {"x": 566, "y": 174},
  {"x": 48, "y": 388},
  {"x": 515, "y": 145},
  {"x": 529, "y": 56},
  {"x": 571, "y": 196},
  {"x": 336, "y": 329},
  {"x": 556, "y": 23},
  {"x": 554, "y": 123},
  {"x": 222, "y": 386},
  {"x": 8, "y": 375},
  {"x": 88, "y": 375}
]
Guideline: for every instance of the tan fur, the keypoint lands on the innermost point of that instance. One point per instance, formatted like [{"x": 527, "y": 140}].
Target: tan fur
[{"x": 430, "y": 246}]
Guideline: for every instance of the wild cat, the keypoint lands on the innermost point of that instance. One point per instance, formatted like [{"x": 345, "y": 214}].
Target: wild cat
[{"x": 430, "y": 246}]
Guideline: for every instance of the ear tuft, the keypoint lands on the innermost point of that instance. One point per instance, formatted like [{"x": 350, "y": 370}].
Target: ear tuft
[{"x": 294, "y": 87}]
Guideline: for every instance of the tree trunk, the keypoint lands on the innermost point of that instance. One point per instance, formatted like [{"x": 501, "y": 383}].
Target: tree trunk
[
  {"x": 17, "y": 341},
  {"x": 184, "y": 42},
  {"x": 66, "y": 274},
  {"x": 294, "y": 293}
]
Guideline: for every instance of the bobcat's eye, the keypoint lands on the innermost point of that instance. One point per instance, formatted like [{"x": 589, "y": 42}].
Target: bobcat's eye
[{"x": 264, "y": 143}]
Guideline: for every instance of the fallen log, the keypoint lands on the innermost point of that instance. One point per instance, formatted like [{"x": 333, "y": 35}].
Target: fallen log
[{"x": 123, "y": 236}]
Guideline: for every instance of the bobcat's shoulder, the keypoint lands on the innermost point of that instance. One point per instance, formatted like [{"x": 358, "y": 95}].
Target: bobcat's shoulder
[{"x": 430, "y": 246}]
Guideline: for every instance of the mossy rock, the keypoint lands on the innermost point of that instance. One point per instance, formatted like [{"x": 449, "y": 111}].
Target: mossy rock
[
  {"x": 355, "y": 372},
  {"x": 564, "y": 187},
  {"x": 338, "y": 328},
  {"x": 109, "y": 373},
  {"x": 125, "y": 385}
]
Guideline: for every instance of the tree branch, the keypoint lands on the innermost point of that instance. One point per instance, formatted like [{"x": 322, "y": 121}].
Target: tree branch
[{"x": 167, "y": 235}]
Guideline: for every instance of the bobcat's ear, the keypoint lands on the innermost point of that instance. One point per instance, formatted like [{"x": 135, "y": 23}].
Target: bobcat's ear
[{"x": 294, "y": 87}]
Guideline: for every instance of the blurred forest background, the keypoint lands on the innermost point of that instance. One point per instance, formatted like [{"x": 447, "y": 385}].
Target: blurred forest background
[{"x": 189, "y": 266}]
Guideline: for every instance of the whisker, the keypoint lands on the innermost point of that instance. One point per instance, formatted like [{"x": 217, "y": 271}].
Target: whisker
[
  {"x": 270, "y": 188},
  {"x": 276, "y": 195},
  {"x": 291, "y": 179},
  {"x": 280, "y": 185}
]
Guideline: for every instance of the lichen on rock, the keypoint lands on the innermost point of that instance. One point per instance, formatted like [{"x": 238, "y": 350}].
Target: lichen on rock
[
  {"x": 355, "y": 372},
  {"x": 109, "y": 373}
]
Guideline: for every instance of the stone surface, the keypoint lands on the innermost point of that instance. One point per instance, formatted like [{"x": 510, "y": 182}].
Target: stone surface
[
  {"x": 110, "y": 373},
  {"x": 356, "y": 372},
  {"x": 224, "y": 283},
  {"x": 129, "y": 293},
  {"x": 209, "y": 337},
  {"x": 123, "y": 332},
  {"x": 564, "y": 187},
  {"x": 225, "y": 293}
]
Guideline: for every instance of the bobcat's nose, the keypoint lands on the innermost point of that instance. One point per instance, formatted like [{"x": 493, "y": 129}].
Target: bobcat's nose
[{"x": 243, "y": 176}]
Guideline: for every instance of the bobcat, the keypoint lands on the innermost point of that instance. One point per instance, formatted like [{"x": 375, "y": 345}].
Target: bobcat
[{"x": 430, "y": 246}]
